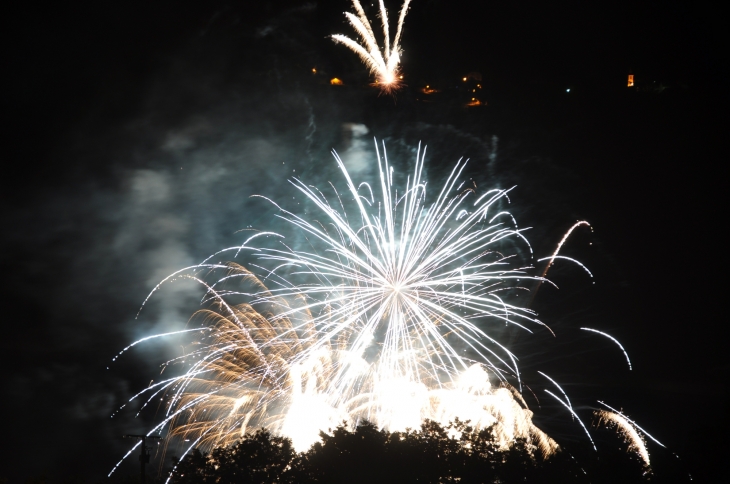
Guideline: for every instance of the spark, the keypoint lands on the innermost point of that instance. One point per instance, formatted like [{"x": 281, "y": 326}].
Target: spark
[
  {"x": 562, "y": 242},
  {"x": 575, "y": 416},
  {"x": 554, "y": 256},
  {"x": 612, "y": 339},
  {"x": 160, "y": 335},
  {"x": 559, "y": 388},
  {"x": 627, "y": 430},
  {"x": 384, "y": 64},
  {"x": 632, "y": 423}
]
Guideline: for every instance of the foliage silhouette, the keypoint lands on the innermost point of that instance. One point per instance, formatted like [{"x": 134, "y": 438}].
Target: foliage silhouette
[
  {"x": 257, "y": 458},
  {"x": 434, "y": 454},
  {"x": 365, "y": 455}
]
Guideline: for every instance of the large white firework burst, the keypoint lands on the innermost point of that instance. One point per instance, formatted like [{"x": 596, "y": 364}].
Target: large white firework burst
[
  {"x": 389, "y": 308},
  {"x": 418, "y": 282},
  {"x": 392, "y": 315}
]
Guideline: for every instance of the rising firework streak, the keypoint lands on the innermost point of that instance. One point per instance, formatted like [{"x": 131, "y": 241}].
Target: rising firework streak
[{"x": 384, "y": 65}]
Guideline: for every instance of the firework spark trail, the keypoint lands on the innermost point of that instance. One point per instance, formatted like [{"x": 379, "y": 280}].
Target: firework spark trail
[
  {"x": 383, "y": 64},
  {"x": 570, "y": 406},
  {"x": 631, "y": 422},
  {"x": 612, "y": 339},
  {"x": 575, "y": 416},
  {"x": 627, "y": 430},
  {"x": 160, "y": 335},
  {"x": 562, "y": 241},
  {"x": 554, "y": 256}
]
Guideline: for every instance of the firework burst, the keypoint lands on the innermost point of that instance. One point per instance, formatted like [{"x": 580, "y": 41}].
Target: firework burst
[
  {"x": 389, "y": 309},
  {"x": 386, "y": 317},
  {"x": 383, "y": 64}
]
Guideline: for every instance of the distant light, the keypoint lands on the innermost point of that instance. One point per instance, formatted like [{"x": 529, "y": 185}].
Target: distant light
[
  {"x": 335, "y": 81},
  {"x": 631, "y": 80},
  {"x": 314, "y": 70},
  {"x": 464, "y": 79},
  {"x": 567, "y": 90}
]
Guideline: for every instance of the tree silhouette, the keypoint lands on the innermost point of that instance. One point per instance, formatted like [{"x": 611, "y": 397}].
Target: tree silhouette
[
  {"x": 433, "y": 454},
  {"x": 257, "y": 458}
]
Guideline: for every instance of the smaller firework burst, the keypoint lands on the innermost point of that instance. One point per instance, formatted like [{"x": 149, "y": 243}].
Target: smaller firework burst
[{"x": 384, "y": 65}]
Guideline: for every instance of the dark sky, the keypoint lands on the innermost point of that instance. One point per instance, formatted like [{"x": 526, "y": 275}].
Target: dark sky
[{"x": 135, "y": 133}]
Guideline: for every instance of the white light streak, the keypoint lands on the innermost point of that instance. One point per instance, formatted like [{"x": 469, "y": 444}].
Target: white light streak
[
  {"x": 575, "y": 415},
  {"x": 632, "y": 423},
  {"x": 612, "y": 339}
]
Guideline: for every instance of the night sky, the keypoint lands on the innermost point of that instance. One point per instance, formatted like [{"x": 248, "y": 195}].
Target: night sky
[{"x": 135, "y": 134}]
